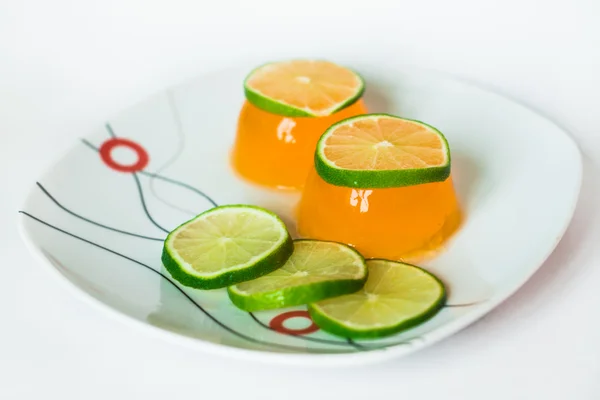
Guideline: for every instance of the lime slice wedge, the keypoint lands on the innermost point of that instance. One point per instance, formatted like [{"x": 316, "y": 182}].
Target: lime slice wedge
[
  {"x": 303, "y": 88},
  {"x": 316, "y": 270},
  {"x": 226, "y": 245},
  {"x": 382, "y": 151},
  {"x": 397, "y": 296}
]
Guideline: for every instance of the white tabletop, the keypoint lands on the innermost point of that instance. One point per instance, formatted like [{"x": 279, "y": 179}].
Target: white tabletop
[{"x": 65, "y": 66}]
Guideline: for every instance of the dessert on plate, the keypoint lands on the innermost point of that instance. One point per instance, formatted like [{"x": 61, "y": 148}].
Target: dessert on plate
[{"x": 383, "y": 185}]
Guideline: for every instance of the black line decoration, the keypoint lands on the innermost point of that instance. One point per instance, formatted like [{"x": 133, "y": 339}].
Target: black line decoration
[
  {"x": 178, "y": 151},
  {"x": 363, "y": 347},
  {"x": 110, "y": 228},
  {"x": 110, "y": 130},
  {"x": 182, "y": 184},
  {"x": 198, "y": 306},
  {"x": 141, "y": 193},
  {"x": 89, "y": 144}
]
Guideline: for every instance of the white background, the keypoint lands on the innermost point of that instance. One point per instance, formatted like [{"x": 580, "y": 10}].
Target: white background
[{"x": 65, "y": 66}]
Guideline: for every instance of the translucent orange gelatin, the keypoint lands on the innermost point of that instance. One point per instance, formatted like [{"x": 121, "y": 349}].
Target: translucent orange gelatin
[
  {"x": 277, "y": 151},
  {"x": 408, "y": 223}
]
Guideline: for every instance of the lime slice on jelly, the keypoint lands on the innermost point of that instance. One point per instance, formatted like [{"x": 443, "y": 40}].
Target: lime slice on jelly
[
  {"x": 303, "y": 88},
  {"x": 382, "y": 151}
]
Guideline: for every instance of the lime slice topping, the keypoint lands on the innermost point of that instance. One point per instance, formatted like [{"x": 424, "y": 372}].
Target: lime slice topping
[
  {"x": 382, "y": 151},
  {"x": 396, "y": 297},
  {"x": 226, "y": 245},
  {"x": 303, "y": 88},
  {"x": 316, "y": 270}
]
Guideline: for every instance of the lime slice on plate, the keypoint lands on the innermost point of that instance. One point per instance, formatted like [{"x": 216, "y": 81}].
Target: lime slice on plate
[
  {"x": 382, "y": 151},
  {"x": 303, "y": 88},
  {"x": 316, "y": 270},
  {"x": 397, "y": 296},
  {"x": 226, "y": 245}
]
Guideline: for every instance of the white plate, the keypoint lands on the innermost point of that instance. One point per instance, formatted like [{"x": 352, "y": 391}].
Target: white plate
[{"x": 517, "y": 175}]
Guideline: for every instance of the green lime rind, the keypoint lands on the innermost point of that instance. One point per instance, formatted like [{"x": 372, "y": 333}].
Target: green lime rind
[
  {"x": 338, "y": 328},
  {"x": 378, "y": 179},
  {"x": 274, "y": 106},
  {"x": 294, "y": 296},
  {"x": 300, "y": 294},
  {"x": 266, "y": 264}
]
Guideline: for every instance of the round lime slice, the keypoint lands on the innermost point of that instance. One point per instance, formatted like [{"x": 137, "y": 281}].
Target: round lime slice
[
  {"x": 226, "y": 245},
  {"x": 382, "y": 151},
  {"x": 303, "y": 88},
  {"x": 396, "y": 297},
  {"x": 316, "y": 270}
]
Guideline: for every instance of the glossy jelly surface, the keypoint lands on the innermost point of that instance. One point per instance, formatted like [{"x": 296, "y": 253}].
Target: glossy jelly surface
[
  {"x": 407, "y": 223},
  {"x": 276, "y": 151}
]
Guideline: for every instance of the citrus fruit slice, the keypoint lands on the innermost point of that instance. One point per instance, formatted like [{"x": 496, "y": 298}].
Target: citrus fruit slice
[
  {"x": 382, "y": 151},
  {"x": 316, "y": 270},
  {"x": 397, "y": 296},
  {"x": 303, "y": 88},
  {"x": 226, "y": 245}
]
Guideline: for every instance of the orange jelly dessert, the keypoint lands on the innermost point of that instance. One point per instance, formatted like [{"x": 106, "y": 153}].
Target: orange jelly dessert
[
  {"x": 288, "y": 106},
  {"x": 277, "y": 151},
  {"x": 404, "y": 223},
  {"x": 381, "y": 184}
]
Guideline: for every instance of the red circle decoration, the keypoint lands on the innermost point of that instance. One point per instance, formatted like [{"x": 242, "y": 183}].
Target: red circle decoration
[
  {"x": 109, "y": 145},
  {"x": 277, "y": 323}
]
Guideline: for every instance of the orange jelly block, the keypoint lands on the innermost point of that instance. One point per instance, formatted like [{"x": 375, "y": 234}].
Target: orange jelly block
[
  {"x": 407, "y": 223},
  {"x": 276, "y": 151}
]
